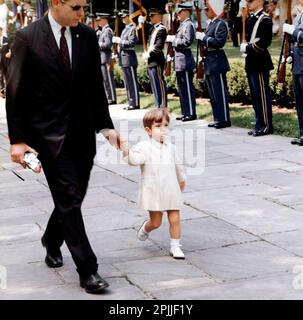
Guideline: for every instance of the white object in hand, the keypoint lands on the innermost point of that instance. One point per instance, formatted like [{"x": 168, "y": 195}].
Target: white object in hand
[
  {"x": 170, "y": 38},
  {"x": 200, "y": 35},
  {"x": 288, "y": 28},
  {"x": 32, "y": 161}
]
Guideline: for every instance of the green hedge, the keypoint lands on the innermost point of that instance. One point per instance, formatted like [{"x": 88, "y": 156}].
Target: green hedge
[{"x": 236, "y": 79}]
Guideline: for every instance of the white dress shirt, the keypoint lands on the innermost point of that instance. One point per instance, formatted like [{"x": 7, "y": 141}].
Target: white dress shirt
[{"x": 56, "y": 28}]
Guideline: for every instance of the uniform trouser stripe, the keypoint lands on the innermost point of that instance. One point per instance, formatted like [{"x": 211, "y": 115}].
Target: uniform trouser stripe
[
  {"x": 224, "y": 98},
  {"x": 189, "y": 93},
  {"x": 126, "y": 84},
  {"x": 162, "y": 87},
  {"x": 298, "y": 92},
  {"x": 135, "y": 85},
  {"x": 111, "y": 83},
  {"x": 264, "y": 101}
]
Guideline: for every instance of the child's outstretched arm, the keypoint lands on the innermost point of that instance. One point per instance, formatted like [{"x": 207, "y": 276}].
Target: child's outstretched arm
[{"x": 134, "y": 156}]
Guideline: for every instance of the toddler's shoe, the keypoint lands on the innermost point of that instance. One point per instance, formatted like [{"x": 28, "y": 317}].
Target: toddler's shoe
[
  {"x": 142, "y": 234},
  {"x": 176, "y": 252}
]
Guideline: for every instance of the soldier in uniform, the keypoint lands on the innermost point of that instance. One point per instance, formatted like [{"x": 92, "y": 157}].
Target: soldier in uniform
[
  {"x": 155, "y": 58},
  {"x": 258, "y": 65},
  {"x": 184, "y": 61},
  {"x": 215, "y": 63},
  {"x": 128, "y": 61},
  {"x": 105, "y": 36},
  {"x": 296, "y": 32}
]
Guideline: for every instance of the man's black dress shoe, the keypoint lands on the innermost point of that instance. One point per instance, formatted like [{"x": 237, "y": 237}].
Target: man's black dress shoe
[
  {"x": 180, "y": 118},
  {"x": 132, "y": 108},
  {"x": 52, "y": 259},
  {"x": 189, "y": 118},
  {"x": 113, "y": 102},
  {"x": 260, "y": 133},
  {"x": 298, "y": 141},
  {"x": 212, "y": 124},
  {"x": 221, "y": 125},
  {"x": 93, "y": 284}
]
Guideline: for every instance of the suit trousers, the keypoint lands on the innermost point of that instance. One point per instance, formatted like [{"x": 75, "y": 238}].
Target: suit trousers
[
  {"x": 298, "y": 91},
  {"x": 187, "y": 92},
  {"x": 261, "y": 99},
  {"x": 67, "y": 177},
  {"x": 217, "y": 89},
  {"x": 158, "y": 86},
  {"x": 109, "y": 83},
  {"x": 131, "y": 86}
]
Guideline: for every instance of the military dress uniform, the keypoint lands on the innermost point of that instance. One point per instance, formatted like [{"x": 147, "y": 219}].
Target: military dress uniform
[
  {"x": 258, "y": 65},
  {"x": 215, "y": 68},
  {"x": 105, "y": 36},
  {"x": 129, "y": 63},
  {"x": 156, "y": 64},
  {"x": 297, "y": 71},
  {"x": 184, "y": 64}
]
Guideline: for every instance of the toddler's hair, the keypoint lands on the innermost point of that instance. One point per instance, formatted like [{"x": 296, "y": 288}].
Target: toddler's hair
[{"x": 155, "y": 116}]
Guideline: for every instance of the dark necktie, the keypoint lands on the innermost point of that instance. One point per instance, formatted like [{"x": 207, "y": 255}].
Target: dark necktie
[{"x": 64, "y": 50}]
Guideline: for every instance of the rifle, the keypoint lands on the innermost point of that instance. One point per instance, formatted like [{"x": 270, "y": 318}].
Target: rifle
[
  {"x": 170, "y": 49},
  {"x": 116, "y": 33},
  {"x": 244, "y": 16},
  {"x": 200, "y": 48},
  {"x": 281, "y": 71},
  {"x": 142, "y": 28}
]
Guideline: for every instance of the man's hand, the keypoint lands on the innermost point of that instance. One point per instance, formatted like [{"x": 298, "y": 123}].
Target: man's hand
[
  {"x": 243, "y": 47},
  {"x": 18, "y": 151},
  {"x": 146, "y": 56},
  {"x": 116, "y": 40},
  {"x": 200, "y": 35},
  {"x": 124, "y": 147},
  {"x": 141, "y": 20},
  {"x": 113, "y": 136},
  {"x": 182, "y": 185},
  {"x": 288, "y": 28},
  {"x": 170, "y": 38}
]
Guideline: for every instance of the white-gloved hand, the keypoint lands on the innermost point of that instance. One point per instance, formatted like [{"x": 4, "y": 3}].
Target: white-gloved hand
[
  {"x": 170, "y": 38},
  {"x": 200, "y": 35},
  {"x": 289, "y": 60},
  {"x": 146, "y": 56},
  {"x": 141, "y": 20},
  {"x": 288, "y": 28},
  {"x": 116, "y": 40},
  {"x": 243, "y": 47}
]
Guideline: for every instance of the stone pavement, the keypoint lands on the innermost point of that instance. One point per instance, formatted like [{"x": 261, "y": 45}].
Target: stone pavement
[{"x": 242, "y": 225}]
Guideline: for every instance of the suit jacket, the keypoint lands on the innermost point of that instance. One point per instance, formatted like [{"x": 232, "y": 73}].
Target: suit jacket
[
  {"x": 127, "y": 53},
  {"x": 258, "y": 58},
  {"x": 184, "y": 60},
  {"x": 156, "y": 43},
  {"x": 105, "y": 40},
  {"x": 44, "y": 103},
  {"x": 215, "y": 60}
]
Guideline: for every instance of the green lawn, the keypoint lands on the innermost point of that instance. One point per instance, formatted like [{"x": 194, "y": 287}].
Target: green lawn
[{"x": 284, "y": 121}]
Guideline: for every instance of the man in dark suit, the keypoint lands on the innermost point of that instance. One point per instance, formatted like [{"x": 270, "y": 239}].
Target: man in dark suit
[{"x": 55, "y": 105}]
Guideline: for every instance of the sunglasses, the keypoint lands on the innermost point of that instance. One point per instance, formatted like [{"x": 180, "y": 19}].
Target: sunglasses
[{"x": 75, "y": 7}]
